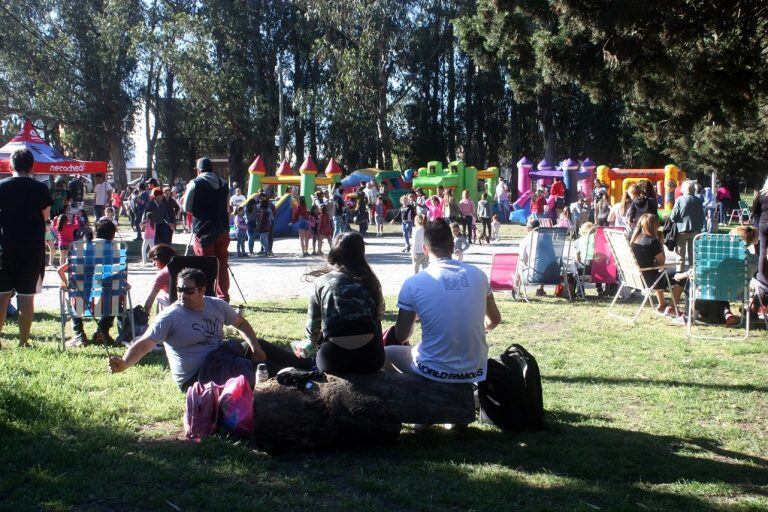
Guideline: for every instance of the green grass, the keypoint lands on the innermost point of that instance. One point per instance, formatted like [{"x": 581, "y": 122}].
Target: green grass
[{"x": 638, "y": 419}]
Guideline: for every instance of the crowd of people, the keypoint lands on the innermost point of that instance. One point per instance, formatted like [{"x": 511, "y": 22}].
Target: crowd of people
[{"x": 344, "y": 334}]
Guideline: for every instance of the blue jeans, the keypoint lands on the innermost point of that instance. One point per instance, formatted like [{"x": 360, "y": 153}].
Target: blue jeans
[
  {"x": 407, "y": 228},
  {"x": 264, "y": 239},
  {"x": 242, "y": 236},
  {"x": 253, "y": 235},
  {"x": 338, "y": 225},
  {"x": 504, "y": 211}
]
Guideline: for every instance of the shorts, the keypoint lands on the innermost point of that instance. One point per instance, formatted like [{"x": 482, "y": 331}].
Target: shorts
[
  {"x": 22, "y": 270},
  {"x": 302, "y": 224}
]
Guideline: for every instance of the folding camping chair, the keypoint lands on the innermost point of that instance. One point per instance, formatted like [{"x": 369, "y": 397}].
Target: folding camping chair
[
  {"x": 545, "y": 222},
  {"x": 209, "y": 265},
  {"x": 503, "y": 268},
  {"x": 760, "y": 291},
  {"x": 545, "y": 265},
  {"x": 97, "y": 283},
  {"x": 740, "y": 213},
  {"x": 632, "y": 274},
  {"x": 719, "y": 273},
  {"x": 602, "y": 264}
]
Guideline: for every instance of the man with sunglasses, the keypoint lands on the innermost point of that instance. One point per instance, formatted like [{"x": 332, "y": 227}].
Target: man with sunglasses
[{"x": 190, "y": 328}]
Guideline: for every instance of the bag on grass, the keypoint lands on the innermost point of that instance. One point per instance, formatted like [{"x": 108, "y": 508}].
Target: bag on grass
[
  {"x": 236, "y": 407},
  {"x": 510, "y": 395},
  {"x": 202, "y": 410},
  {"x": 140, "y": 324}
]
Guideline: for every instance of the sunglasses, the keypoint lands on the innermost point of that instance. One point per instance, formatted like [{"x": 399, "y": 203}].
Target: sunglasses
[{"x": 186, "y": 289}]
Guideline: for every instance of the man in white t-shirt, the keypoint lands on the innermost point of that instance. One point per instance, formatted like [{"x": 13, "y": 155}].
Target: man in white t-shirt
[
  {"x": 455, "y": 304},
  {"x": 102, "y": 191},
  {"x": 236, "y": 200}
]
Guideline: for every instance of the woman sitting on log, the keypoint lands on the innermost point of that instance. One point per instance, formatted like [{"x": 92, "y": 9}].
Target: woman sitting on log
[{"x": 343, "y": 318}]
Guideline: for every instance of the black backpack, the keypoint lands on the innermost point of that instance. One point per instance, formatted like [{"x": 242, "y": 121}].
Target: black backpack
[{"x": 510, "y": 395}]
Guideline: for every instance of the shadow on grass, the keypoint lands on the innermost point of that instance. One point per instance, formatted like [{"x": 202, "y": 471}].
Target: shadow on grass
[
  {"x": 648, "y": 382},
  {"x": 53, "y": 458}
]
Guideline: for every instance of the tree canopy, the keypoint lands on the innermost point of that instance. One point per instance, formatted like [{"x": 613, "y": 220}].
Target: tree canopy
[{"x": 393, "y": 83}]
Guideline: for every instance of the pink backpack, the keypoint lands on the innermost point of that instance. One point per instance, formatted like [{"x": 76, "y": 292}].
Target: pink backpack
[
  {"x": 236, "y": 407},
  {"x": 202, "y": 411}
]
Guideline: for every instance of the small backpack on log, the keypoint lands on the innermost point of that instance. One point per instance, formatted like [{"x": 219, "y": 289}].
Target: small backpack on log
[{"x": 510, "y": 396}]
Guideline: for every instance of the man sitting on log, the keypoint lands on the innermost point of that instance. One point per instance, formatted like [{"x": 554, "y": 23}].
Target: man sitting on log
[
  {"x": 455, "y": 304},
  {"x": 193, "y": 329}
]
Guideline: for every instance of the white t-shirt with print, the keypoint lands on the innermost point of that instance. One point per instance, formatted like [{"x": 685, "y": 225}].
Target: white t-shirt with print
[
  {"x": 449, "y": 297},
  {"x": 236, "y": 201}
]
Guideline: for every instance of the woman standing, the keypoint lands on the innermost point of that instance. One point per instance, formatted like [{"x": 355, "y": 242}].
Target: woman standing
[
  {"x": 301, "y": 219},
  {"x": 467, "y": 209},
  {"x": 760, "y": 216}
]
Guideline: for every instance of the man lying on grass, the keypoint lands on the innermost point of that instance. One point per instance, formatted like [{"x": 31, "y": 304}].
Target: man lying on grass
[{"x": 191, "y": 329}]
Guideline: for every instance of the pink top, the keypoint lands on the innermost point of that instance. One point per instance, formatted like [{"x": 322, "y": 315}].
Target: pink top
[
  {"x": 434, "y": 210},
  {"x": 66, "y": 235},
  {"x": 149, "y": 230},
  {"x": 467, "y": 207},
  {"x": 163, "y": 280}
]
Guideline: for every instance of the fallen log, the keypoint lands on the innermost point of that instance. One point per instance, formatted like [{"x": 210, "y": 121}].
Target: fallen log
[{"x": 357, "y": 409}]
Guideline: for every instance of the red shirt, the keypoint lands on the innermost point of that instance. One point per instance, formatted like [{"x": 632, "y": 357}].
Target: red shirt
[
  {"x": 537, "y": 205},
  {"x": 558, "y": 189}
]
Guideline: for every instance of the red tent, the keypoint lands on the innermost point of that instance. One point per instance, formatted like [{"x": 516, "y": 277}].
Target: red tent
[{"x": 47, "y": 159}]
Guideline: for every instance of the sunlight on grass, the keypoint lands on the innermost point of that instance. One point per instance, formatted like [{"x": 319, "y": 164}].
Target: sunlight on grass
[{"x": 638, "y": 418}]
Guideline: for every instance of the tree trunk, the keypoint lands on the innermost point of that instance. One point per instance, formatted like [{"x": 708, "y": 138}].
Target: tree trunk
[
  {"x": 299, "y": 85},
  {"x": 358, "y": 409},
  {"x": 451, "y": 108},
  {"x": 384, "y": 154},
  {"x": 117, "y": 159},
  {"x": 169, "y": 126},
  {"x": 469, "y": 121},
  {"x": 151, "y": 100},
  {"x": 235, "y": 160},
  {"x": 546, "y": 125}
]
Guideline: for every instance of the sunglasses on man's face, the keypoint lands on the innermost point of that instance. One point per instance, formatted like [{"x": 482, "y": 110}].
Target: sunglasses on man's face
[{"x": 186, "y": 289}]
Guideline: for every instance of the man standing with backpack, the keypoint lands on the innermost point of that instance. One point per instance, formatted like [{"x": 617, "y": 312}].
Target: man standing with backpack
[{"x": 207, "y": 199}]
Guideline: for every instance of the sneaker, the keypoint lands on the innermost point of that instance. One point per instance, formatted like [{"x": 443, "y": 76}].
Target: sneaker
[
  {"x": 270, "y": 253},
  {"x": 671, "y": 311},
  {"x": 661, "y": 309},
  {"x": 78, "y": 340},
  {"x": 731, "y": 319},
  {"x": 100, "y": 338}
]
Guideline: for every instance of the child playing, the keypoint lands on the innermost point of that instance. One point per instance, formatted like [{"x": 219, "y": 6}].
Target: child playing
[
  {"x": 148, "y": 225},
  {"x": 495, "y": 227},
  {"x": 109, "y": 214},
  {"x": 460, "y": 243},
  {"x": 378, "y": 217},
  {"x": 314, "y": 213},
  {"x": 65, "y": 234},
  {"x": 484, "y": 214},
  {"x": 242, "y": 231},
  {"x": 49, "y": 238},
  {"x": 419, "y": 257},
  {"x": 266, "y": 220},
  {"x": 324, "y": 228}
]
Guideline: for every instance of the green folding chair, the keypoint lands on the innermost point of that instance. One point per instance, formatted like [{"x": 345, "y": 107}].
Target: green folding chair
[{"x": 719, "y": 273}]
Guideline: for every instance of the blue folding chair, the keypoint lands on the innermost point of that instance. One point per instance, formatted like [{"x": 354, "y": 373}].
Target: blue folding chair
[
  {"x": 719, "y": 274},
  {"x": 97, "y": 283},
  {"x": 545, "y": 265}
]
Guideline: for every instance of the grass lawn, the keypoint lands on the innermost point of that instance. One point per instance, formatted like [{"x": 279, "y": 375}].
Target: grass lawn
[{"x": 638, "y": 419}]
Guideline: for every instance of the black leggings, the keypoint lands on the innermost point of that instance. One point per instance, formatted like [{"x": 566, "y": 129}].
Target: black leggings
[
  {"x": 330, "y": 358},
  {"x": 486, "y": 227},
  {"x": 762, "y": 267}
]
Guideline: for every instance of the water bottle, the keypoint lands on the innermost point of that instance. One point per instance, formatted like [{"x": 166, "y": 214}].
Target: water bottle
[{"x": 261, "y": 373}]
